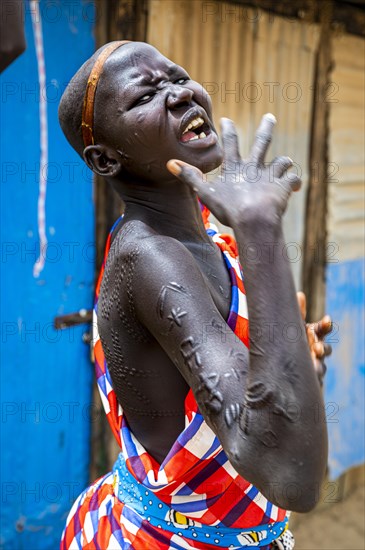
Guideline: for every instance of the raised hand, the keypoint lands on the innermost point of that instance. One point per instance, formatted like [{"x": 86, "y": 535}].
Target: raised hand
[
  {"x": 244, "y": 189},
  {"x": 251, "y": 198},
  {"x": 316, "y": 333}
]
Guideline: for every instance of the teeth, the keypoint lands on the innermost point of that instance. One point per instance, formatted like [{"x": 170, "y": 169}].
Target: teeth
[
  {"x": 198, "y": 121},
  {"x": 200, "y": 136}
]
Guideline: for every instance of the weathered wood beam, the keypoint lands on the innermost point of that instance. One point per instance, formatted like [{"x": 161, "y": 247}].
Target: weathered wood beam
[
  {"x": 313, "y": 271},
  {"x": 128, "y": 19},
  {"x": 347, "y": 16}
]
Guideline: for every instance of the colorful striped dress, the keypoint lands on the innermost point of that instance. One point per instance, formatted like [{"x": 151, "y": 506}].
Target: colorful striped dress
[{"x": 194, "y": 499}]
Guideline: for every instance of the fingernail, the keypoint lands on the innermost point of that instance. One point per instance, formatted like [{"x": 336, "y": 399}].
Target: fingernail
[
  {"x": 271, "y": 117},
  {"x": 174, "y": 167}
]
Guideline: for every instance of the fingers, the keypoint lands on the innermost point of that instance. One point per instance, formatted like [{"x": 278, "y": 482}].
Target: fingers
[
  {"x": 230, "y": 140},
  {"x": 311, "y": 335},
  {"x": 321, "y": 350},
  {"x": 316, "y": 333},
  {"x": 262, "y": 139},
  {"x": 302, "y": 301},
  {"x": 190, "y": 175},
  {"x": 320, "y": 329},
  {"x": 327, "y": 350},
  {"x": 280, "y": 165},
  {"x": 292, "y": 181},
  {"x": 187, "y": 173},
  {"x": 318, "y": 348},
  {"x": 323, "y": 327}
]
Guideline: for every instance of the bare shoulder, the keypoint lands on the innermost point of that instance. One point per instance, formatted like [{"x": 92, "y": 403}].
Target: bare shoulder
[
  {"x": 156, "y": 255},
  {"x": 141, "y": 263}
]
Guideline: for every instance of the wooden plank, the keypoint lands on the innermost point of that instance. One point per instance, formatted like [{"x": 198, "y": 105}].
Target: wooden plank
[
  {"x": 347, "y": 16},
  {"x": 313, "y": 271}
]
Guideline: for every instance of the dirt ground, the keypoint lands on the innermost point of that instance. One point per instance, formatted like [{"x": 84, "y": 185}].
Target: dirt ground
[{"x": 340, "y": 526}]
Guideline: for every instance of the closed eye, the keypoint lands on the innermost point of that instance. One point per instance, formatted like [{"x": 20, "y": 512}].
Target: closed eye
[
  {"x": 181, "y": 80},
  {"x": 145, "y": 98}
]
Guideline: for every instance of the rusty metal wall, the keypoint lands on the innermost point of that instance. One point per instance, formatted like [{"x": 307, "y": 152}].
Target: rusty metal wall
[
  {"x": 347, "y": 146},
  {"x": 251, "y": 62},
  {"x": 345, "y": 274}
]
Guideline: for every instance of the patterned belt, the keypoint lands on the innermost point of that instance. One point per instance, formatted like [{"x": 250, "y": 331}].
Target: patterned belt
[{"x": 142, "y": 504}]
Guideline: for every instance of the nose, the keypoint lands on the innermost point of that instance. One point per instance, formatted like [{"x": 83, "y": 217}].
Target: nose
[{"x": 179, "y": 97}]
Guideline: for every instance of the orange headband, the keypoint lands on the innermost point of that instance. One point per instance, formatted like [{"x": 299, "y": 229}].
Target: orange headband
[{"x": 87, "y": 124}]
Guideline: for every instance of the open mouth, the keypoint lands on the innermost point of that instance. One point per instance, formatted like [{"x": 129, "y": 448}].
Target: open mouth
[{"x": 196, "y": 129}]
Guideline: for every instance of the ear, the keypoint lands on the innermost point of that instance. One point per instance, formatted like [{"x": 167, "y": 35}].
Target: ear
[{"x": 103, "y": 160}]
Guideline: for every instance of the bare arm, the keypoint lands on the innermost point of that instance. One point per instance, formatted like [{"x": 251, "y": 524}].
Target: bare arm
[
  {"x": 279, "y": 435},
  {"x": 255, "y": 412}
]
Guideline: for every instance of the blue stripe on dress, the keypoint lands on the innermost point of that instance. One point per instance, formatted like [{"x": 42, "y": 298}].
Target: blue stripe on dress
[{"x": 102, "y": 384}]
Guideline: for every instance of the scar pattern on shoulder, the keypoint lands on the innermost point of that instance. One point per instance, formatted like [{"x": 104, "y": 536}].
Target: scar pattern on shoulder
[
  {"x": 118, "y": 280},
  {"x": 256, "y": 397},
  {"x": 175, "y": 316},
  {"x": 123, "y": 378},
  {"x": 176, "y": 313},
  {"x": 211, "y": 396},
  {"x": 174, "y": 287},
  {"x": 259, "y": 396},
  {"x": 242, "y": 363},
  {"x": 189, "y": 351},
  {"x": 231, "y": 413}
]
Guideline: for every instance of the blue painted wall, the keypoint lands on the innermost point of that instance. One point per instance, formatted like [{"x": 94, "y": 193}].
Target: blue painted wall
[
  {"x": 345, "y": 380},
  {"x": 46, "y": 376}
]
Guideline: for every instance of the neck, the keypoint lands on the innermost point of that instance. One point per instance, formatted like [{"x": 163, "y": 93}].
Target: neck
[{"x": 170, "y": 208}]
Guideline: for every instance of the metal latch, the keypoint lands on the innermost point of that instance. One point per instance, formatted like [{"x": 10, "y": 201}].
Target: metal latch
[
  {"x": 84, "y": 316},
  {"x": 71, "y": 319}
]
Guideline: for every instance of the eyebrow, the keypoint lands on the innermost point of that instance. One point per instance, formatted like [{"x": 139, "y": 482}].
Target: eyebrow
[
  {"x": 147, "y": 81},
  {"x": 172, "y": 68}
]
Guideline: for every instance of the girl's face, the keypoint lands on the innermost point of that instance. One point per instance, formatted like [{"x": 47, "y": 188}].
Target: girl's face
[{"x": 148, "y": 109}]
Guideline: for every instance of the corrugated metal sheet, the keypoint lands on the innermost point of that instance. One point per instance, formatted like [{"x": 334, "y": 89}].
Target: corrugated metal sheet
[
  {"x": 347, "y": 146},
  {"x": 345, "y": 275},
  {"x": 251, "y": 62}
]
